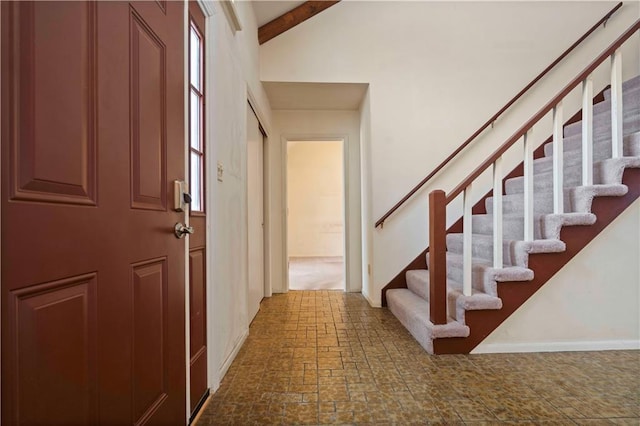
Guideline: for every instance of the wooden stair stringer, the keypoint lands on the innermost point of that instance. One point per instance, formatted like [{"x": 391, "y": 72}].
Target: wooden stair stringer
[{"x": 545, "y": 266}]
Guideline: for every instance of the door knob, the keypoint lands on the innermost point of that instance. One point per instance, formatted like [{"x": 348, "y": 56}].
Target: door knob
[{"x": 181, "y": 230}]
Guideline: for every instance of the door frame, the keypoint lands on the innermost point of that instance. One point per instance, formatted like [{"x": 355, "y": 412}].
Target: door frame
[
  {"x": 266, "y": 201},
  {"x": 208, "y": 11},
  {"x": 264, "y": 210},
  {"x": 344, "y": 138},
  {"x": 1, "y": 112}
]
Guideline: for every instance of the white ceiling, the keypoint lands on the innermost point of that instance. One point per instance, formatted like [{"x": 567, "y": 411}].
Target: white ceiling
[
  {"x": 266, "y": 10},
  {"x": 314, "y": 96}
]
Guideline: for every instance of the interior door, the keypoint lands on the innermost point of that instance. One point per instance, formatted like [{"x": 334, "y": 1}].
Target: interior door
[
  {"x": 198, "y": 218},
  {"x": 256, "y": 213},
  {"x": 93, "y": 320}
]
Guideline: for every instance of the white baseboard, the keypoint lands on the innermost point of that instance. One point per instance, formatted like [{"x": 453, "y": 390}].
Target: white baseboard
[
  {"x": 600, "y": 345},
  {"x": 371, "y": 303},
  {"x": 227, "y": 362}
]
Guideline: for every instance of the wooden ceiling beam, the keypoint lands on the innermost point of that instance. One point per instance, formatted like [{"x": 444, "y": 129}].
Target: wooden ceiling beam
[{"x": 292, "y": 18}]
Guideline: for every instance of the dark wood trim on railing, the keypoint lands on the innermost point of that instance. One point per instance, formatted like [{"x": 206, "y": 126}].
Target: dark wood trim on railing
[
  {"x": 438, "y": 257},
  {"x": 544, "y": 111},
  {"x": 292, "y": 18},
  {"x": 492, "y": 120}
]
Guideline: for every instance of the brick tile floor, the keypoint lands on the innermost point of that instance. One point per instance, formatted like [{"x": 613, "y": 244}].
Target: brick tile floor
[{"x": 326, "y": 357}]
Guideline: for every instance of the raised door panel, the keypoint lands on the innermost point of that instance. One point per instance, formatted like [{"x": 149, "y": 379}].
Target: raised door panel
[
  {"x": 148, "y": 117},
  {"x": 54, "y": 350},
  {"x": 198, "y": 329},
  {"x": 150, "y": 328},
  {"x": 52, "y": 102}
]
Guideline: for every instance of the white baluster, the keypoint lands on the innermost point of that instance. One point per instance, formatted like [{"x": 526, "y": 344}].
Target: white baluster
[
  {"x": 497, "y": 214},
  {"x": 616, "y": 104},
  {"x": 528, "y": 186},
  {"x": 587, "y": 131},
  {"x": 558, "y": 161},
  {"x": 467, "y": 232}
]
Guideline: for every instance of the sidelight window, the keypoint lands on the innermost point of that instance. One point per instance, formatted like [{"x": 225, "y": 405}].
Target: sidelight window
[{"x": 196, "y": 118}]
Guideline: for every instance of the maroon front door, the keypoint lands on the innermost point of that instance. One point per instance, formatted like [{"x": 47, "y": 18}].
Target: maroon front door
[{"x": 93, "y": 292}]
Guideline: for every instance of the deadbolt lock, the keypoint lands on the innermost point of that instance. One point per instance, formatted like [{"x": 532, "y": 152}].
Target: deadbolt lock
[{"x": 181, "y": 196}]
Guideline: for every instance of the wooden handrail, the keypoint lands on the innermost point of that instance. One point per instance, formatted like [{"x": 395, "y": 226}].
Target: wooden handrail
[
  {"x": 493, "y": 118},
  {"x": 544, "y": 110}
]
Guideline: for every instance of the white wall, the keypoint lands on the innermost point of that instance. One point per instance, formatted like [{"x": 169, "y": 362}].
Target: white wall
[
  {"x": 313, "y": 125},
  {"x": 315, "y": 198},
  {"x": 593, "y": 303},
  {"x": 232, "y": 77},
  {"x": 443, "y": 69}
]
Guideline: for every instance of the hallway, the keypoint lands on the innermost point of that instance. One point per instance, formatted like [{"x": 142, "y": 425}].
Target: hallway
[{"x": 326, "y": 357}]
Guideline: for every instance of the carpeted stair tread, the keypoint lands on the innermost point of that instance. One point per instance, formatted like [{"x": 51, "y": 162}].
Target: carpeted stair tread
[
  {"x": 612, "y": 169},
  {"x": 601, "y": 145},
  {"x": 418, "y": 282},
  {"x": 515, "y": 252},
  {"x": 631, "y": 84},
  {"x": 576, "y": 200},
  {"x": 607, "y": 171},
  {"x": 582, "y": 196},
  {"x": 544, "y": 181},
  {"x": 413, "y": 312},
  {"x": 542, "y": 202},
  {"x": 458, "y": 303},
  {"x": 601, "y": 151},
  {"x": 484, "y": 277},
  {"x": 632, "y": 145},
  {"x": 602, "y": 116},
  {"x": 602, "y": 127},
  {"x": 546, "y": 226}
]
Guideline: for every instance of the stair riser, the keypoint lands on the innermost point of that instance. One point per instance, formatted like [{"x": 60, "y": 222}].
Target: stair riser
[
  {"x": 542, "y": 203},
  {"x": 601, "y": 134},
  {"x": 418, "y": 283},
  {"x": 629, "y": 85},
  {"x": 478, "y": 278},
  {"x": 512, "y": 227},
  {"x": 480, "y": 249},
  {"x": 601, "y": 151},
  {"x": 544, "y": 182},
  {"x": 602, "y": 113}
]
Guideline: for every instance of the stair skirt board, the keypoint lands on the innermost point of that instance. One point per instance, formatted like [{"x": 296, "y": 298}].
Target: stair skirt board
[{"x": 497, "y": 293}]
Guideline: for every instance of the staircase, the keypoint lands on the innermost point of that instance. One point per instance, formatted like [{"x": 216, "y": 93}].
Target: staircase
[{"x": 543, "y": 220}]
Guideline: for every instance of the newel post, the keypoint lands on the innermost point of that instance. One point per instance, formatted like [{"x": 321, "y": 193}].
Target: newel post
[{"x": 437, "y": 257}]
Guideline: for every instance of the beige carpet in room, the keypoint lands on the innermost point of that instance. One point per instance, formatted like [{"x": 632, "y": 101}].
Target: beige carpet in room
[{"x": 316, "y": 273}]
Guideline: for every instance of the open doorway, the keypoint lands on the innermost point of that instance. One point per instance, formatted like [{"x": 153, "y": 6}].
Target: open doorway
[{"x": 316, "y": 215}]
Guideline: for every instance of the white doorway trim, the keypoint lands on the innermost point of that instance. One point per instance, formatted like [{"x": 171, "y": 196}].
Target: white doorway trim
[
  {"x": 255, "y": 206},
  {"x": 344, "y": 138},
  {"x": 251, "y": 99}
]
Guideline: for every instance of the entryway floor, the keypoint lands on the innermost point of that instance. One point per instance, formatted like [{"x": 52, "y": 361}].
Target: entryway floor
[
  {"x": 316, "y": 273},
  {"x": 327, "y": 357}
]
